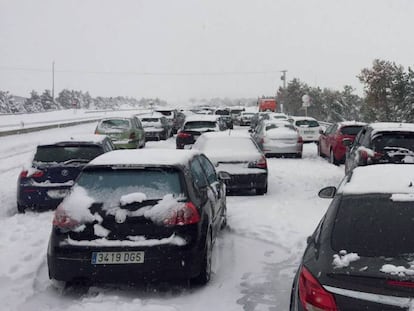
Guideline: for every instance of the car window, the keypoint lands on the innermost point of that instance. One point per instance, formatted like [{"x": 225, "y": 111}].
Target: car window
[
  {"x": 198, "y": 174},
  {"x": 59, "y": 154},
  {"x": 192, "y": 125},
  {"x": 373, "y": 225},
  {"x": 394, "y": 139},
  {"x": 307, "y": 123},
  {"x": 209, "y": 169},
  {"x": 123, "y": 124}
]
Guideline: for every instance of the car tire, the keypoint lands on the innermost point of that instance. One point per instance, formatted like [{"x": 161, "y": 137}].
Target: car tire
[
  {"x": 332, "y": 159},
  {"x": 205, "y": 270},
  {"x": 20, "y": 208},
  {"x": 261, "y": 191},
  {"x": 298, "y": 155}
]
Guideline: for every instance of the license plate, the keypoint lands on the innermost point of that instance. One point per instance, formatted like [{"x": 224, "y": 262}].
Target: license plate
[
  {"x": 103, "y": 258},
  {"x": 308, "y": 132},
  {"x": 57, "y": 194}
]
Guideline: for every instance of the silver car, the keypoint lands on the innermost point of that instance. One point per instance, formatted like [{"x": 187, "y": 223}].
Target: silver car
[{"x": 278, "y": 138}]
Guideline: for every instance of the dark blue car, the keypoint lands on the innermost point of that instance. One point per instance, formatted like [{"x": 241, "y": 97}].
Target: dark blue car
[{"x": 54, "y": 169}]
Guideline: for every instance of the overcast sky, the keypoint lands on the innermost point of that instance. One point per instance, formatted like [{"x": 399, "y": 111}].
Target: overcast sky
[{"x": 177, "y": 49}]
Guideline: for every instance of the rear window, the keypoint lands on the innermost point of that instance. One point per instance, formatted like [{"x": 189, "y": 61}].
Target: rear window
[
  {"x": 108, "y": 186},
  {"x": 222, "y": 112},
  {"x": 115, "y": 124},
  {"x": 394, "y": 139},
  {"x": 192, "y": 125},
  {"x": 282, "y": 126},
  {"x": 351, "y": 130},
  {"x": 166, "y": 113},
  {"x": 150, "y": 120},
  {"x": 59, "y": 154},
  {"x": 374, "y": 226},
  {"x": 307, "y": 123}
]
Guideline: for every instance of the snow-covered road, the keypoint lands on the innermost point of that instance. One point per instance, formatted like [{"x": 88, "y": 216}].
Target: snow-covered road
[{"x": 254, "y": 260}]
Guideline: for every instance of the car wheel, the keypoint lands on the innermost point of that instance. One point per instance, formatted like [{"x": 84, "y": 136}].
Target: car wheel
[
  {"x": 332, "y": 158},
  {"x": 20, "y": 208},
  {"x": 299, "y": 155},
  {"x": 205, "y": 271},
  {"x": 261, "y": 191}
]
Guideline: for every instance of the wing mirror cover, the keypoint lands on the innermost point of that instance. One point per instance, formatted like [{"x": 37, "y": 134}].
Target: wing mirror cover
[{"x": 327, "y": 192}]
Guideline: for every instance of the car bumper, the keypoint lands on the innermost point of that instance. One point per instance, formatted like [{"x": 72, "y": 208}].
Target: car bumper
[
  {"x": 246, "y": 181},
  {"x": 125, "y": 144},
  {"x": 269, "y": 149},
  {"x": 160, "y": 263},
  {"x": 37, "y": 198}
]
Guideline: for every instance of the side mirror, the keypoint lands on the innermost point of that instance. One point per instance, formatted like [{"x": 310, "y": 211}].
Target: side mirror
[
  {"x": 224, "y": 176},
  {"x": 346, "y": 142},
  {"x": 310, "y": 240},
  {"x": 321, "y": 131},
  {"x": 327, "y": 192}
]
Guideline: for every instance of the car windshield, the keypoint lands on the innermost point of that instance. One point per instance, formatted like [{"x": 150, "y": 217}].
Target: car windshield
[
  {"x": 108, "y": 186},
  {"x": 193, "y": 125},
  {"x": 374, "y": 225},
  {"x": 115, "y": 124},
  {"x": 59, "y": 154},
  {"x": 307, "y": 123},
  {"x": 351, "y": 130},
  {"x": 396, "y": 139}
]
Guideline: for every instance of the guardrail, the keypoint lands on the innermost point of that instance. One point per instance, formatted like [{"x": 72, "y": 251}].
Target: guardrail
[{"x": 45, "y": 127}]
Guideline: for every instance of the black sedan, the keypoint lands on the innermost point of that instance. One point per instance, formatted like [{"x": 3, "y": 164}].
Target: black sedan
[
  {"x": 135, "y": 216},
  {"x": 360, "y": 256},
  {"x": 239, "y": 156},
  {"x": 54, "y": 168}
]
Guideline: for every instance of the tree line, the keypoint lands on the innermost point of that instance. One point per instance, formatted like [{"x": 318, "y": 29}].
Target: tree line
[
  {"x": 388, "y": 96},
  {"x": 69, "y": 99}
]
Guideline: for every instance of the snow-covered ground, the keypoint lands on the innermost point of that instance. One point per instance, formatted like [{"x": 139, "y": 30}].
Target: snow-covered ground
[{"x": 254, "y": 261}]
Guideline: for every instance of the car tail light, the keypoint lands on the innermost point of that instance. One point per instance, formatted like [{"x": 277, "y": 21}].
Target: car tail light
[
  {"x": 365, "y": 156},
  {"x": 35, "y": 174},
  {"x": 401, "y": 283},
  {"x": 183, "y": 135},
  {"x": 62, "y": 220},
  {"x": 312, "y": 295},
  {"x": 185, "y": 214},
  {"x": 132, "y": 136},
  {"x": 300, "y": 140},
  {"x": 262, "y": 163}
]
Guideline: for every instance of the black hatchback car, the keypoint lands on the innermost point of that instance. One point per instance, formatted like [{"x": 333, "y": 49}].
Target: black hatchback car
[
  {"x": 382, "y": 142},
  {"x": 135, "y": 216},
  {"x": 54, "y": 168},
  {"x": 361, "y": 255}
]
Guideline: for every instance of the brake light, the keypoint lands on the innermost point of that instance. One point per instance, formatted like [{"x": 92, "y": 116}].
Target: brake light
[
  {"x": 300, "y": 140},
  {"x": 62, "y": 220},
  {"x": 35, "y": 174},
  {"x": 262, "y": 163},
  {"x": 185, "y": 214},
  {"x": 401, "y": 283},
  {"x": 312, "y": 295},
  {"x": 183, "y": 135},
  {"x": 132, "y": 136}
]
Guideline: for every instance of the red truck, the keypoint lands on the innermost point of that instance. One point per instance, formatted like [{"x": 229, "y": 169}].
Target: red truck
[{"x": 267, "y": 104}]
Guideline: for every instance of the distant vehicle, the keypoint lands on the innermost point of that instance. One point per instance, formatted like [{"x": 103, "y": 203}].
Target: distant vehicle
[
  {"x": 54, "y": 168},
  {"x": 136, "y": 216},
  {"x": 175, "y": 118},
  {"x": 246, "y": 117},
  {"x": 360, "y": 255},
  {"x": 125, "y": 132},
  {"x": 196, "y": 125},
  {"x": 267, "y": 104},
  {"x": 237, "y": 155},
  {"x": 156, "y": 126},
  {"x": 382, "y": 142},
  {"x": 308, "y": 127},
  {"x": 278, "y": 138},
  {"x": 225, "y": 116},
  {"x": 331, "y": 140},
  {"x": 235, "y": 112}
]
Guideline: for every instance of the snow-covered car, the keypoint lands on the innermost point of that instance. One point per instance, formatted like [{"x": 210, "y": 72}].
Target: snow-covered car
[
  {"x": 196, "y": 125},
  {"x": 308, "y": 127},
  {"x": 278, "y": 138},
  {"x": 246, "y": 117},
  {"x": 238, "y": 155},
  {"x": 382, "y": 142},
  {"x": 156, "y": 126},
  {"x": 125, "y": 132},
  {"x": 134, "y": 216},
  {"x": 46, "y": 181},
  {"x": 360, "y": 257}
]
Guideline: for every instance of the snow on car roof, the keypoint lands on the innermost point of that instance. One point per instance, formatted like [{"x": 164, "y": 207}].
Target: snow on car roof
[
  {"x": 302, "y": 118},
  {"x": 392, "y": 127},
  {"x": 380, "y": 178},
  {"x": 86, "y": 138},
  {"x": 144, "y": 157},
  {"x": 202, "y": 117}
]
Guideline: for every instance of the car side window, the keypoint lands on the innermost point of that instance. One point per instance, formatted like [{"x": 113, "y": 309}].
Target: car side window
[
  {"x": 139, "y": 124},
  {"x": 198, "y": 174},
  {"x": 329, "y": 130},
  {"x": 209, "y": 169}
]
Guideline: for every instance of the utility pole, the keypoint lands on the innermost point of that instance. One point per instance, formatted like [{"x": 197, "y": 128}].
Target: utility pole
[
  {"x": 53, "y": 81},
  {"x": 283, "y": 78}
]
